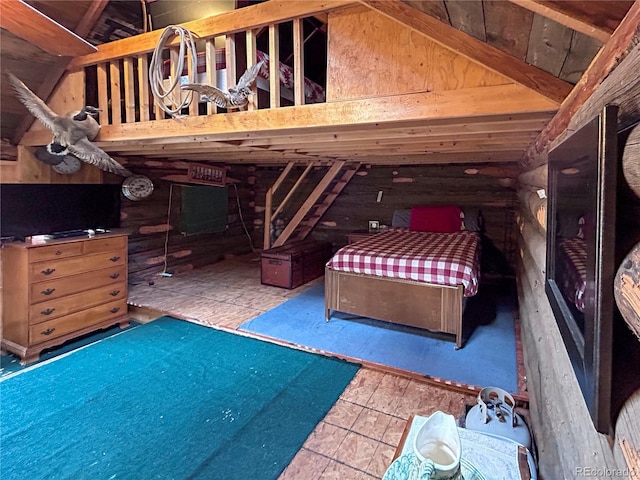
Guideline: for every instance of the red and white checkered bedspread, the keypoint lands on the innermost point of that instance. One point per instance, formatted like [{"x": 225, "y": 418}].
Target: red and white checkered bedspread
[
  {"x": 437, "y": 258},
  {"x": 572, "y": 270}
]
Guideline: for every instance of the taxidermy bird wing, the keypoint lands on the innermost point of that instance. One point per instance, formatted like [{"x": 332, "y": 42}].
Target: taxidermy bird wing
[
  {"x": 249, "y": 76},
  {"x": 37, "y": 107},
  {"x": 88, "y": 152},
  {"x": 209, "y": 92}
]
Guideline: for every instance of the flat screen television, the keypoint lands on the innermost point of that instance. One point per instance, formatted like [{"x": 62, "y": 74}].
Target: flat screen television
[
  {"x": 581, "y": 225},
  {"x": 28, "y": 209}
]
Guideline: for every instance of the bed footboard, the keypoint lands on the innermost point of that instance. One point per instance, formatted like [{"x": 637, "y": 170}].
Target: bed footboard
[{"x": 433, "y": 307}]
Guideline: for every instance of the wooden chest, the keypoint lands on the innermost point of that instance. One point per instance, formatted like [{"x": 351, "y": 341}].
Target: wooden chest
[
  {"x": 294, "y": 264},
  {"x": 62, "y": 289}
]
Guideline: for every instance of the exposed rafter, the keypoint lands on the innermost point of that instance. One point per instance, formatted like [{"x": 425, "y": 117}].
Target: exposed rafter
[
  {"x": 474, "y": 49},
  {"x": 26, "y": 22},
  {"x": 87, "y": 22},
  {"x": 558, "y": 12}
]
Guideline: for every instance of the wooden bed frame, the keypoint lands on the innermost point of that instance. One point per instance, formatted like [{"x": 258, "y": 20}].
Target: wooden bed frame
[{"x": 433, "y": 307}]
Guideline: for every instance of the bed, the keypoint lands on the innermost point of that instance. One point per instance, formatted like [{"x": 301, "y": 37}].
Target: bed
[
  {"x": 407, "y": 276},
  {"x": 314, "y": 93}
]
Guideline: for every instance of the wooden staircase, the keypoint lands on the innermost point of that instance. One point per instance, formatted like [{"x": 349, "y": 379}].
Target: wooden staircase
[{"x": 336, "y": 178}]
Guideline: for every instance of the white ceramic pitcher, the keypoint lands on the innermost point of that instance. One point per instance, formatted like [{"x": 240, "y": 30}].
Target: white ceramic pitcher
[{"x": 437, "y": 445}]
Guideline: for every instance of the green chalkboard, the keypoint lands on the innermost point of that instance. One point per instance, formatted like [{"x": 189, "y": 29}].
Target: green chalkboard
[{"x": 203, "y": 209}]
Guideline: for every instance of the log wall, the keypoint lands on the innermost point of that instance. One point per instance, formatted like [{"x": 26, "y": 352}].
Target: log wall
[
  {"x": 147, "y": 220},
  {"x": 566, "y": 438}
]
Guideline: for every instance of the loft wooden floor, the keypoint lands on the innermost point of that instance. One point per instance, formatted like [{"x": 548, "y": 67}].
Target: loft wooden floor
[{"x": 358, "y": 437}]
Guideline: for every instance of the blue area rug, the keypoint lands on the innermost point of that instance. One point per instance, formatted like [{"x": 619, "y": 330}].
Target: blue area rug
[
  {"x": 487, "y": 359},
  {"x": 166, "y": 400}
]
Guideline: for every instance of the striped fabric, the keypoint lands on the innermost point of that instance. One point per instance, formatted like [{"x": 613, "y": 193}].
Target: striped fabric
[
  {"x": 437, "y": 258},
  {"x": 572, "y": 270}
]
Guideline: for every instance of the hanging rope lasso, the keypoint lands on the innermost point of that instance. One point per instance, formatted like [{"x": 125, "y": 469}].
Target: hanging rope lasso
[{"x": 156, "y": 71}]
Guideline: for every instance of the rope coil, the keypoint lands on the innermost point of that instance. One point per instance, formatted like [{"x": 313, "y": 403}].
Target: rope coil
[{"x": 156, "y": 71}]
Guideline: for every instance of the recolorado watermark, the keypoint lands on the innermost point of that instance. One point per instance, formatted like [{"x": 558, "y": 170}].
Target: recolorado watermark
[{"x": 594, "y": 472}]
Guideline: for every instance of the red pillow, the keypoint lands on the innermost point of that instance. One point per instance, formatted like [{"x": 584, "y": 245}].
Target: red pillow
[{"x": 445, "y": 219}]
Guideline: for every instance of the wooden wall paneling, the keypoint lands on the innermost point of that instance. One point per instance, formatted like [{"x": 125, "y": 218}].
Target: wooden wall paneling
[
  {"x": 583, "y": 48},
  {"x": 549, "y": 44},
  {"x": 625, "y": 42},
  {"x": 508, "y": 27},
  {"x": 415, "y": 62},
  {"x": 435, "y": 8},
  {"x": 148, "y": 222},
  {"x": 468, "y": 16}
]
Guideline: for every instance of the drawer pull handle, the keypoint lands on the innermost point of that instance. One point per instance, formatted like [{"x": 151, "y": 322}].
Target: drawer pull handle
[
  {"x": 59, "y": 252},
  {"x": 48, "y": 271},
  {"x": 113, "y": 293},
  {"x": 48, "y": 291},
  {"x": 48, "y": 331},
  {"x": 114, "y": 259},
  {"x": 114, "y": 310},
  {"x": 114, "y": 275},
  {"x": 275, "y": 262},
  {"x": 48, "y": 311}
]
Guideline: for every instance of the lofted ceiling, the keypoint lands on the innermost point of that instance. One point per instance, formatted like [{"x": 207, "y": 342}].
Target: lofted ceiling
[{"x": 559, "y": 37}]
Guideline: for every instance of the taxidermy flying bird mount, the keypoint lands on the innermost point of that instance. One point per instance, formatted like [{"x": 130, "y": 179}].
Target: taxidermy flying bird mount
[
  {"x": 72, "y": 133},
  {"x": 235, "y": 97}
]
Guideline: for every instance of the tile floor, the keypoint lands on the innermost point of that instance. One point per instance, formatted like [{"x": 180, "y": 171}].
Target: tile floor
[{"x": 358, "y": 437}]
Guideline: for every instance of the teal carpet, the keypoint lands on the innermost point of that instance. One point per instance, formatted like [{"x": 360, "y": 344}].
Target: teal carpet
[
  {"x": 488, "y": 357},
  {"x": 166, "y": 400}
]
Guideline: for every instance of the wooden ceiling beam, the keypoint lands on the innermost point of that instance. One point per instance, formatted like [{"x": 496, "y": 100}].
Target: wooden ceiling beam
[
  {"x": 26, "y": 22},
  {"x": 475, "y": 50},
  {"x": 254, "y": 17},
  {"x": 557, "y": 12},
  {"x": 380, "y": 111},
  {"x": 621, "y": 43},
  {"x": 83, "y": 29}
]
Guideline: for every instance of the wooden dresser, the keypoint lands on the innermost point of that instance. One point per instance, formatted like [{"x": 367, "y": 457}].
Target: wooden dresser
[{"x": 62, "y": 289}]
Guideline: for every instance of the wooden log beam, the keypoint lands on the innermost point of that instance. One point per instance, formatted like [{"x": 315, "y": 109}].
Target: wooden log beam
[
  {"x": 619, "y": 46},
  {"x": 558, "y": 12},
  {"x": 475, "y": 50},
  {"x": 626, "y": 286},
  {"x": 538, "y": 177},
  {"x": 631, "y": 160},
  {"x": 253, "y": 17},
  {"x": 26, "y": 22}
]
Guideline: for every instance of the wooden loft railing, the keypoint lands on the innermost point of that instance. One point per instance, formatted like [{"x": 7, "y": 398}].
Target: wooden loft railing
[{"x": 122, "y": 67}]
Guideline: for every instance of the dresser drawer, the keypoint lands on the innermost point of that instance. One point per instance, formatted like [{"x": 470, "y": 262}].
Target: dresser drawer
[
  {"x": 44, "y": 311},
  {"x": 42, "y": 332},
  {"x": 51, "y": 252},
  {"x": 46, "y": 291},
  {"x": 75, "y": 265},
  {"x": 105, "y": 245}
]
